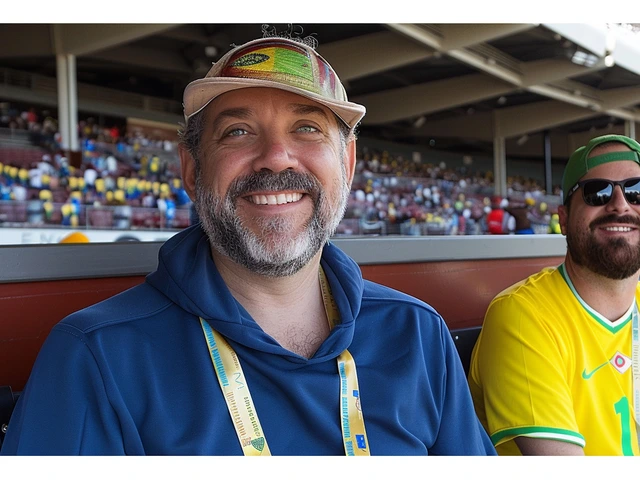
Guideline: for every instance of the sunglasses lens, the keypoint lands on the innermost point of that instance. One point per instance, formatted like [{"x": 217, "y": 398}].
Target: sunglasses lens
[
  {"x": 597, "y": 193},
  {"x": 632, "y": 191}
]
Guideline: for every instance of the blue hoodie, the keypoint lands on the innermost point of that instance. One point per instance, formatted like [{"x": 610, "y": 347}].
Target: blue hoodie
[{"x": 132, "y": 374}]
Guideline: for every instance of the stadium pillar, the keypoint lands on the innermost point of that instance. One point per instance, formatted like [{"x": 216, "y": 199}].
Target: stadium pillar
[
  {"x": 499, "y": 167},
  {"x": 63, "y": 102},
  {"x": 630, "y": 129},
  {"x": 548, "y": 181},
  {"x": 68, "y": 107}
]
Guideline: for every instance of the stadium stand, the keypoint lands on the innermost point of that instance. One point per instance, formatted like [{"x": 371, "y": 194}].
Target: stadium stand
[{"x": 126, "y": 179}]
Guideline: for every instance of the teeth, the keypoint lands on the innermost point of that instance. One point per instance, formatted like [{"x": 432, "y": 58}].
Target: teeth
[
  {"x": 279, "y": 199},
  {"x": 618, "y": 229}
]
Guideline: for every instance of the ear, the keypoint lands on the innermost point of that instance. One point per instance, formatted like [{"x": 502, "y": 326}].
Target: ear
[
  {"x": 563, "y": 218},
  {"x": 188, "y": 171},
  {"x": 350, "y": 160}
]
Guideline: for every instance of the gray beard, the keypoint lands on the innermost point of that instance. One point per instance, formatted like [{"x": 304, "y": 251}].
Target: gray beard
[{"x": 273, "y": 252}]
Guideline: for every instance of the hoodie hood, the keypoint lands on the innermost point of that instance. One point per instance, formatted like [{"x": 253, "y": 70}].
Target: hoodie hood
[{"x": 187, "y": 275}]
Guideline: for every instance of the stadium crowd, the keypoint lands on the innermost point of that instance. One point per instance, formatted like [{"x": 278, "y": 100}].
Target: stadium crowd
[
  {"x": 395, "y": 195},
  {"x": 130, "y": 180}
]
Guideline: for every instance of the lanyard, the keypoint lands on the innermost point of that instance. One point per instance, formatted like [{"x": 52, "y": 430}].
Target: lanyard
[
  {"x": 240, "y": 404},
  {"x": 354, "y": 435}
]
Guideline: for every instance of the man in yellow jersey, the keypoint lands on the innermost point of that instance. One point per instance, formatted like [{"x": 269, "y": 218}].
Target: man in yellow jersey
[
  {"x": 255, "y": 335},
  {"x": 553, "y": 371}
]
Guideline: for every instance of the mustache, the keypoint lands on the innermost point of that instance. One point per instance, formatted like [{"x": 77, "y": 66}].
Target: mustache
[
  {"x": 614, "y": 219},
  {"x": 270, "y": 181}
]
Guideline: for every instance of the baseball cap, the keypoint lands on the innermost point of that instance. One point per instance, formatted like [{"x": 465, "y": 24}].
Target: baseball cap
[
  {"x": 274, "y": 62},
  {"x": 579, "y": 163}
]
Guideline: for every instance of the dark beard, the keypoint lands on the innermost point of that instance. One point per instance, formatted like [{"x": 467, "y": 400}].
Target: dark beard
[
  {"x": 617, "y": 259},
  {"x": 260, "y": 253}
]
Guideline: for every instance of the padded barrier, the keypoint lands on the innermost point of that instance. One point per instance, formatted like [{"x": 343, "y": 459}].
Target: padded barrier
[{"x": 460, "y": 290}]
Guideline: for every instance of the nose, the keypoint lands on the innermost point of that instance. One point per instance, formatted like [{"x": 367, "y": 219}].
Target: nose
[
  {"x": 275, "y": 155},
  {"x": 617, "y": 203}
]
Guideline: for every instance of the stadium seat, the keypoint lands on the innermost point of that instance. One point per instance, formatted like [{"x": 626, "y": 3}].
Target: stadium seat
[
  {"x": 8, "y": 400},
  {"x": 373, "y": 227},
  {"x": 101, "y": 218},
  {"x": 181, "y": 219},
  {"x": 465, "y": 340}
]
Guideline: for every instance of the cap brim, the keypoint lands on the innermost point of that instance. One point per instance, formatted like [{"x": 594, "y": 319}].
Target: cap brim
[{"x": 200, "y": 93}]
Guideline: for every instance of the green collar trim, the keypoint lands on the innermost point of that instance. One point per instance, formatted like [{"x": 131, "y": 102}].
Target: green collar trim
[{"x": 613, "y": 327}]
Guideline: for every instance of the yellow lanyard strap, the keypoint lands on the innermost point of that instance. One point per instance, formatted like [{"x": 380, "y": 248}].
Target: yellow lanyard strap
[
  {"x": 354, "y": 435},
  {"x": 236, "y": 393},
  {"x": 240, "y": 404}
]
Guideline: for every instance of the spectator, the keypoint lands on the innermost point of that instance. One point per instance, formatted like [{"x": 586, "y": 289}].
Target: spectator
[
  {"x": 520, "y": 213},
  {"x": 551, "y": 371},
  {"x": 19, "y": 192},
  {"x": 498, "y": 219},
  {"x": 112, "y": 164}
]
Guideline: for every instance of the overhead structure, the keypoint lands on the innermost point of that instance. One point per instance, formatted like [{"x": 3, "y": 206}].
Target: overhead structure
[{"x": 508, "y": 90}]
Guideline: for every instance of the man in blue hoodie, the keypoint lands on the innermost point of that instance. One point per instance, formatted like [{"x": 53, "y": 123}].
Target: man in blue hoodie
[{"x": 255, "y": 335}]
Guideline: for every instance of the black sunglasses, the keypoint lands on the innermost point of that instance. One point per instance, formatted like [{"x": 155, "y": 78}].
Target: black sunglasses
[{"x": 598, "y": 191}]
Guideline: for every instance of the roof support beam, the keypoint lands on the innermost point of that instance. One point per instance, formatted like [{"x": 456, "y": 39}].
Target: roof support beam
[
  {"x": 80, "y": 39},
  {"x": 369, "y": 54},
  {"x": 186, "y": 33},
  {"x": 419, "y": 34},
  {"x": 538, "y": 116},
  {"x": 536, "y": 78},
  {"x": 143, "y": 57},
  {"x": 430, "y": 97},
  {"x": 525, "y": 119},
  {"x": 620, "y": 97},
  {"x": 465, "y": 35},
  {"x": 33, "y": 40},
  {"x": 551, "y": 70},
  {"x": 464, "y": 55}
]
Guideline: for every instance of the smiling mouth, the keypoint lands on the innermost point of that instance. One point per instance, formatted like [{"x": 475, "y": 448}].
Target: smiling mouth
[
  {"x": 618, "y": 229},
  {"x": 277, "y": 199}
]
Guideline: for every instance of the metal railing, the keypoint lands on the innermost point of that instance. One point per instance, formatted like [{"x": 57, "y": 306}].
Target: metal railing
[{"x": 31, "y": 213}]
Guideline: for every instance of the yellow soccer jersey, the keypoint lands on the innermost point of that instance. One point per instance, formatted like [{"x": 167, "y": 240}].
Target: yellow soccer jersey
[{"x": 546, "y": 365}]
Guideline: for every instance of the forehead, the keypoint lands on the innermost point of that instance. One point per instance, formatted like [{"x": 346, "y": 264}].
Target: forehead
[
  {"x": 256, "y": 100},
  {"x": 612, "y": 170}
]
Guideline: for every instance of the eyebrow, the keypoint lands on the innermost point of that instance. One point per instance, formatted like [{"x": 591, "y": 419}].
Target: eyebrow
[
  {"x": 239, "y": 112},
  {"x": 305, "y": 109}
]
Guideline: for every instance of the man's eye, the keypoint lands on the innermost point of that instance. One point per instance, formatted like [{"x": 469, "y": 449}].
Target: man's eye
[
  {"x": 236, "y": 132},
  {"x": 307, "y": 129}
]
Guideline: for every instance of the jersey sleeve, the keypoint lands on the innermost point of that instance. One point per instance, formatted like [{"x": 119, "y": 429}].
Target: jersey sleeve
[
  {"x": 64, "y": 408},
  {"x": 522, "y": 371}
]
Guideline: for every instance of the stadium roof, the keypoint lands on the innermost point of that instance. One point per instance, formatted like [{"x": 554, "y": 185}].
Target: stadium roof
[{"x": 458, "y": 85}]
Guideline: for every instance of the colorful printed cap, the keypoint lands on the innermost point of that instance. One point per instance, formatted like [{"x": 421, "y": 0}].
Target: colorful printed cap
[
  {"x": 580, "y": 163},
  {"x": 275, "y": 63}
]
